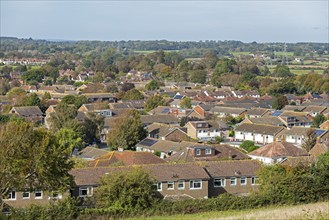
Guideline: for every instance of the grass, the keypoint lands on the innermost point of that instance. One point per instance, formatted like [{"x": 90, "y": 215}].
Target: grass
[
  {"x": 152, "y": 51},
  {"x": 240, "y": 53},
  {"x": 281, "y": 53},
  {"x": 318, "y": 211}
]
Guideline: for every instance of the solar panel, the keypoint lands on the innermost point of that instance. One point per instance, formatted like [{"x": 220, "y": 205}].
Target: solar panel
[
  {"x": 319, "y": 132},
  {"x": 148, "y": 142},
  {"x": 166, "y": 110},
  {"x": 178, "y": 97},
  {"x": 276, "y": 113}
]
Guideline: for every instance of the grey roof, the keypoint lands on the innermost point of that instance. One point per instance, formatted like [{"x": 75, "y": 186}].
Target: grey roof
[
  {"x": 91, "y": 153},
  {"x": 227, "y": 110},
  {"x": 166, "y": 119},
  {"x": 268, "y": 120},
  {"x": 257, "y": 111}
]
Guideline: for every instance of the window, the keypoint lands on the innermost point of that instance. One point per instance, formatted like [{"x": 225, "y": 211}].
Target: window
[
  {"x": 198, "y": 152},
  {"x": 208, "y": 151},
  {"x": 200, "y": 131},
  {"x": 233, "y": 181},
  {"x": 159, "y": 186},
  {"x": 38, "y": 194},
  {"x": 11, "y": 195},
  {"x": 170, "y": 185},
  {"x": 55, "y": 195},
  {"x": 199, "y": 125},
  {"x": 253, "y": 180},
  {"x": 243, "y": 180},
  {"x": 26, "y": 195},
  {"x": 195, "y": 184},
  {"x": 85, "y": 191},
  {"x": 181, "y": 184},
  {"x": 219, "y": 182}
]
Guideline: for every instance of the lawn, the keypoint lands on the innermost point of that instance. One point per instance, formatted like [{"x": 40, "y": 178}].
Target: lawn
[{"x": 318, "y": 211}]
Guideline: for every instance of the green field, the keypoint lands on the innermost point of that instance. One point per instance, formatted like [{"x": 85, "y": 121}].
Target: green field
[
  {"x": 239, "y": 53},
  {"x": 318, "y": 211},
  {"x": 281, "y": 53},
  {"x": 152, "y": 51}
]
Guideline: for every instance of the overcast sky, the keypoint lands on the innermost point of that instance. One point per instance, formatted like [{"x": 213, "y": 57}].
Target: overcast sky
[{"x": 247, "y": 21}]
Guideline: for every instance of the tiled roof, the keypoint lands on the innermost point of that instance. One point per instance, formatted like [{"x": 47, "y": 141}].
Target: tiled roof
[
  {"x": 270, "y": 120},
  {"x": 232, "y": 168},
  {"x": 279, "y": 149},
  {"x": 227, "y": 110},
  {"x": 92, "y": 153},
  {"x": 293, "y": 108},
  {"x": 257, "y": 111},
  {"x": 27, "y": 111},
  {"x": 319, "y": 148},
  {"x": 126, "y": 158},
  {"x": 166, "y": 119},
  {"x": 259, "y": 128},
  {"x": 297, "y": 131}
]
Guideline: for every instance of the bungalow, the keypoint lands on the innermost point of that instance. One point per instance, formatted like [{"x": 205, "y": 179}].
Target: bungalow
[
  {"x": 223, "y": 112},
  {"x": 291, "y": 119},
  {"x": 93, "y": 97},
  {"x": 276, "y": 152},
  {"x": 30, "y": 113},
  {"x": 297, "y": 135},
  {"x": 164, "y": 119},
  {"x": 256, "y": 112},
  {"x": 268, "y": 120},
  {"x": 258, "y": 133},
  {"x": 167, "y": 132},
  {"x": 314, "y": 110}
]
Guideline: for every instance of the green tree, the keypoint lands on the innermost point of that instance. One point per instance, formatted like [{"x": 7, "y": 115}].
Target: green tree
[
  {"x": 280, "y": 102},
  {"x": 186, "y": 102},
  {"x": 318, "y": 120},
  {"x": 31, "y": 158},
  {"x": 198, "y": 76},
  {"x": 309, "y": 140},
  {"x": 127, "y": 131},
  {"x": 64, "y": 116},
  {"x": 4, "y": 86},
  {"x": 133, "y": 94},
  {"x": 248, "y": 146},
  {"x": 153, "y": 85},
  {"x": 68, "y": 99},
  {"x": 80, "y": 100},
  {"x": 282, "y": 71},
  {"x": 92, "y": 127},
  {"x": 69, "y": 139},
  {"x": 153, "y": 101},
  {"x": 130, "y": 190}
]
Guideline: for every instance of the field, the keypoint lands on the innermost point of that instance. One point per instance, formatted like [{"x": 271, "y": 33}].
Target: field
[
  {"x": 152, "y": 51},
  {"x": 318, "y": 211}
]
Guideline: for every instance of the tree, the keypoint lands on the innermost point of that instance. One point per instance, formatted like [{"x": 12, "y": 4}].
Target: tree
[
  {"x": 133, "y": 94},
  {"x": 309, "y": 140},
  {"x": 153, "y": 85},
  {"x": 127, "y": 86},
  {"x": 92, "y": 127},
  {"x": 248, "y": 146},
  {"x": 186, "y": 103},
  {"x": 282, "y": 71},
  {"x": 69, "y": 139},
  {"x": 31, "y": 159},
  {"x": 153, "y": 101},
  {"x": 280, "y": 102},
  {"x": 127, "y": 131},
  {"x": 63, "y": 117},
  {"x": 127, "y": 190},
  {"x": 198, "y": 76},
  {"x": 68, "y": 99},
  {"x": 4, "y": 86},
  {"x": 318, "y": 120}
]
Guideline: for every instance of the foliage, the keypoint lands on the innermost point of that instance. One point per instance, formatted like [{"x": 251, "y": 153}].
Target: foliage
[
  {"x": 127, "y": 131},
  {"x": 153, "y": 101},
  {"x": 64, "y": 116},
  {"x": 198, "y": 76},
  {"x": 153, "y": 85},
  {"x": 4, "y": 86},
  {"x": 280, "y": 102},
  {"x": 309, "y": 140},
  {"x": 92, "y": 127},
  {"x": 31, "y": 158},
  {"x": 282, "y": 71},
  {"x": 318, "y": 120},
  {"x": 133, "y": 94},
  {"x": 186, "y": 102},
  {"x": 248, "y": 146},
  {"x": 218, "y": 139},
  {"x": 127, "y": 190},
  {"x": 69, "y": 139}
]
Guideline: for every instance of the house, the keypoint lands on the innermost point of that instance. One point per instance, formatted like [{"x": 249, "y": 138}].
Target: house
[
  {"x": 298, "y": 135},
  {"x": 206, "y": 130},
  {"x": 276, "y": 152},
  {"x": 93, "y": 97},
  {"x": 125, "y": 158},
  {"x": 292, "y": 119},
  {"x": 319, "y": 148},
  {"x": 179, "y": 181},
  {"x": 201, "y": 111},
  {"x": 90, "y": 153},
  {"x": 223, "y": 112},
  {"x": 164, "y": 119},
  {"x": 325, "y": 125},
  {"x": 207, "y": 153},
  {"x": 164, "y": 147},
  {"x": 30, "y": 113},
  {"x": 262, "y": 134},
  {"x": 256, "y": 112},
  {"x": 167, "y": 132},
  {"x": 267, "y": 120},
  {"x": 314, "y": 110},
  {"x": 295, "y": 108}
]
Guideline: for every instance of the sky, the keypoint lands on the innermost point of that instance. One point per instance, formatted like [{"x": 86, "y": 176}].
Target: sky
[{"x": 244, "y": 20}]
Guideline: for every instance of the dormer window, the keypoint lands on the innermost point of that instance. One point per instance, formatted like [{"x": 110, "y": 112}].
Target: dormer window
[{"x": 208, "y": 151}]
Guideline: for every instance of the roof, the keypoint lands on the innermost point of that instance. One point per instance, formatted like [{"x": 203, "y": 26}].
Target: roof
[
  {"x": 259, "y": 128},
  {"x": 295, "y": 161},
  {"x": 163, "y": 129},
  {"x": 163, "y": 145},
  {"x": 222, "y": 152},
  {"x": 232, "y": 168},
  {"x": 319, "y": 148},
  {"x": 269, "y": 120},
  {"x": 279, "y": 149},
  {"x": 297, "y": 131},
  {"x": 293, "y": 108},
  {"x": 92, "y": 153},
  {"x": 314, "y": 109},
  {"x": 228, "y": 110},
  {"x": 126, "y": 158},
  {"x": 257, "y": 111},
  {"x": 166, "y": 119},
  {"x": 27, "y": 111}
]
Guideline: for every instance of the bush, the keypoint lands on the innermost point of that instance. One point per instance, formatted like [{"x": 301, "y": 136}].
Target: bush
[{"x": 248, "y": 146}]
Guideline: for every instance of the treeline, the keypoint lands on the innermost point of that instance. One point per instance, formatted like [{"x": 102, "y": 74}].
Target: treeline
[
  {"x": 279, "y": 185},
  {"x": 14, "y": 47}
]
